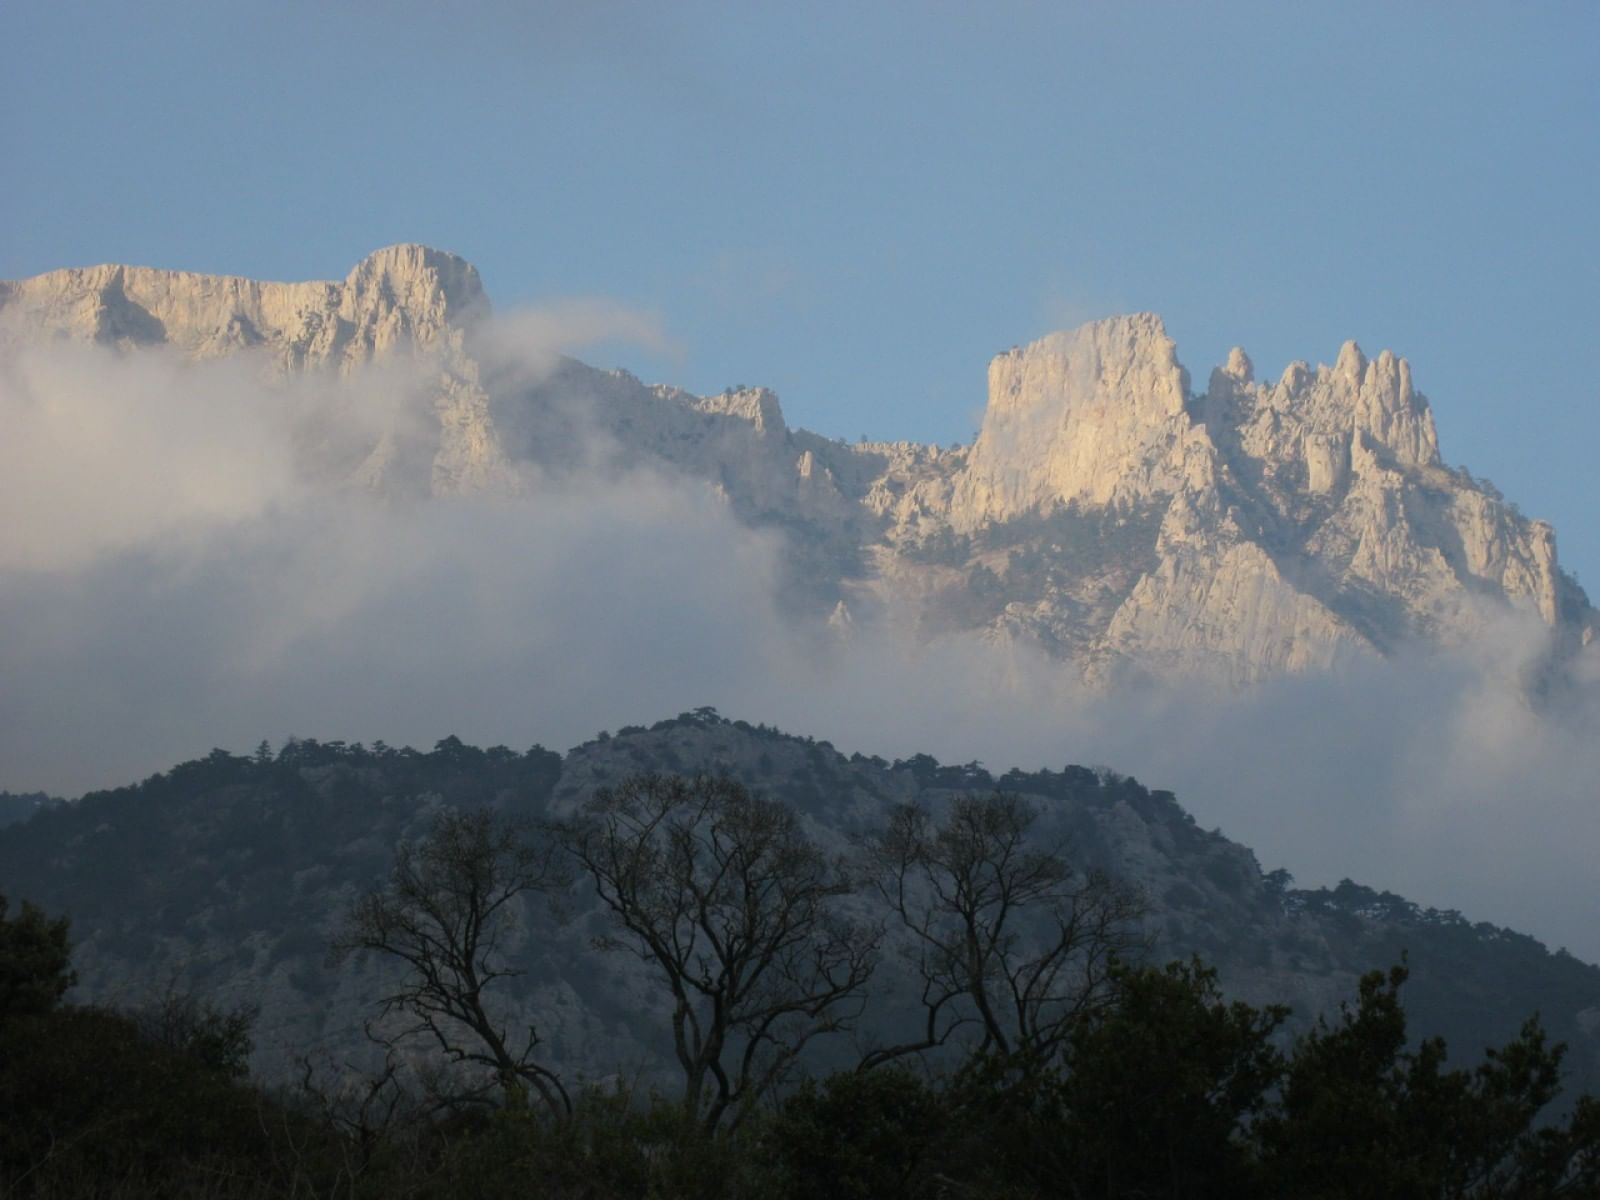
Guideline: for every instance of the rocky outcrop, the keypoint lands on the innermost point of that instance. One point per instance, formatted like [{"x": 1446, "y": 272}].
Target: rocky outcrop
[
  {"x": 404, "y": 303},
  {"x": 402, "y": 298},
  {"x": 1105, "y": 512},
  {"x": 1305, "y": 522},
  {"x": 1222, "y": 606},
  {"x": 1096, "y": 416}
]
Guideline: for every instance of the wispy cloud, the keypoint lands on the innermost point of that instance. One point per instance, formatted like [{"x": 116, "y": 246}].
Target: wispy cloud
[{"x": 526, "y": 343}]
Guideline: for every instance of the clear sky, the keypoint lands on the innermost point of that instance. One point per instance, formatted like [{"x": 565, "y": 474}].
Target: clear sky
[{"x": 858, "y": 204}]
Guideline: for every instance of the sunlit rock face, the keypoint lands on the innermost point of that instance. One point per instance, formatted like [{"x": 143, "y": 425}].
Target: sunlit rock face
[
  {"x": 1095, "y": 416},
  {"x": 1107, "y": 512},
  {"x": 405, "y": 304},
  {"x": 1342, "y": 463},
  {"x": 1291, "y": 526},
  {"x": 406, "y": 298}
]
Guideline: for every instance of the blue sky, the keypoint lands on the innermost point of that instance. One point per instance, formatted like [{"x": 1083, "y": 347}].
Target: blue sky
[{"x": 859, "y": 204}]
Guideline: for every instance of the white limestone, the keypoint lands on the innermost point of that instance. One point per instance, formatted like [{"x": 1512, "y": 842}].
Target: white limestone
[
  {"x": 1104, "y": 512},
  {"x": 1095, "y": 415}
]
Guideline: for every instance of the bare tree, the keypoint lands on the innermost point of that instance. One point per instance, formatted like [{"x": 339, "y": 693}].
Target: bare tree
[
  {"x": 1006, "y": 937},
  {"x": 370, "y": 1112},
  {"x": 445, "y": 911},
  {"x": 722, "y": 892}
]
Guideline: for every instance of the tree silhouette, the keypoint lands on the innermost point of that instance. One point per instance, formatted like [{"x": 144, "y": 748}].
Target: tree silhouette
[
  {"x": 35, "y": 961},
  {"x": 1007, "y": 937},
  {"x": 722, "y": 892},
  {"x": 444, "y": 912}
]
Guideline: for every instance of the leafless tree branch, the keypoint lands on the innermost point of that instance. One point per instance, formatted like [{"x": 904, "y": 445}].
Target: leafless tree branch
[
  {"x": 725, "y": 895},
  {"x": 1006, "y": 937},
  {"x": 444, "y": 912}
]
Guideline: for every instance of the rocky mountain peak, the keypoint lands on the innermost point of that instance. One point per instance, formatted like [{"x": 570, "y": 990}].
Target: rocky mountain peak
[
  {"x": 758, "y": 405},
  {"x": 427, "y": 283},
  {"x": 405, "y": 301},
  {"x": 401, "y": 296},
  {"x": 1351, "y": 362},
  {"x": 1089, "y": 415},
  {"x": 1239, "y": 368},
  {"x": 1357, "y": 400}
]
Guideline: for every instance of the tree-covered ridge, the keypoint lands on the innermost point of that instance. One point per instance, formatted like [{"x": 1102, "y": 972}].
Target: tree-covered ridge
[
  {"x": 227, "y": 874},
  {"x": 305, "y": 771},
  {"x": 236, "y": 823},
  {"x": 19, "y": 806}
]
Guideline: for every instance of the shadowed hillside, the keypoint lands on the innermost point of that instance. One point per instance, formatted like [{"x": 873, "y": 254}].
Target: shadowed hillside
[{"x": 226, "y": 877}]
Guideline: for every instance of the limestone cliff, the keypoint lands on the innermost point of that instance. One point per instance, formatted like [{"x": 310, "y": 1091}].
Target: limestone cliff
[
  {"x": 406, "y": 303},
  {"x": 1093, "y": 417},
  {"x": 402, "y": 297},
  {"x": 1106, "y": 511},
  {"x": 1291, "y": 525}
]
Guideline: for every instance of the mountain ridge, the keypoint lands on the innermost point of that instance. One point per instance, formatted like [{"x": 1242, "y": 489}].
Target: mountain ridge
[{"x": 1254, "y": 530}]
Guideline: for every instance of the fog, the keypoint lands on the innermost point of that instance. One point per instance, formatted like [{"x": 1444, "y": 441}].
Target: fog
[{"x": 170, "y": 582}]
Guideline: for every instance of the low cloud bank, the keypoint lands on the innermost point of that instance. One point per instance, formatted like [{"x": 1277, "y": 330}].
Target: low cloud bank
[
  {"x": 1431, "y": 777},
  {"x": 169, "y": 583}
]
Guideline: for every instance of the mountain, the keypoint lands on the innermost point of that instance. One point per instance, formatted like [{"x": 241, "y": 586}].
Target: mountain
[
  {"x": 1106, "y": 512},
  {"x": 225, "y": 877},
  {"x": 405, "y": 302}
]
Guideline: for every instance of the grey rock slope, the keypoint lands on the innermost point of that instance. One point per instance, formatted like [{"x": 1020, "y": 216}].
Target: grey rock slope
[
  {"x": 226, "y": 875},
  {"x": 1107, "y": 511}
]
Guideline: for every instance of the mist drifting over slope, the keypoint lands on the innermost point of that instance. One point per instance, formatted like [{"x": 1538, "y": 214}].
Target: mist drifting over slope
[{"x": 175, "y": 578}]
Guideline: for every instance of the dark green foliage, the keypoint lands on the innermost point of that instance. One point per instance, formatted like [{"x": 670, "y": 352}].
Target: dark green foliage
[
  {"x": 608, "y": 1147},
  {"x": 930, "y": 773},
  {"x": 1475, "y": 982},
  {"x": 1167, "y": 1090},
  {"x": 89, "y": 1099},
  {"x": 860, "y": 1136},
  {"x": 1153, "y": 1097},
  {"x": 943, "y": 547},
  {"x": 35, "y": 962},
  {"x": 90, "y": 1096},
  {"x": 235, "y": 837},
  {"x": 250, "y": 855},
  {"x": 986, "y": 590},
  {"x": 1160, "y": 1085},
  {"x": 215, "y": 1038},
  {"x": 1171, "y": 1091},
  {"x": 1361, "y": 1114}
]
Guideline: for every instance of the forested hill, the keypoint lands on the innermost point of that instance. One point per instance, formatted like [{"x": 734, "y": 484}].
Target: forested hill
[
  {"x": 226, "y": 876},
  {"x": 19, "y": 806}
]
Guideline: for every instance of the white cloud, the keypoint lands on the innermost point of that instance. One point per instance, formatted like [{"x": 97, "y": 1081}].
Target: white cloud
[
  {"x": 103, "y": 454},
  {"x": 525, "y": 344}
]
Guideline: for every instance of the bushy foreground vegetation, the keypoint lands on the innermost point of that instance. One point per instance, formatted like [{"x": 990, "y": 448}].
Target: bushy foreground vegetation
[{"x": 1047, "y": 1060}]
